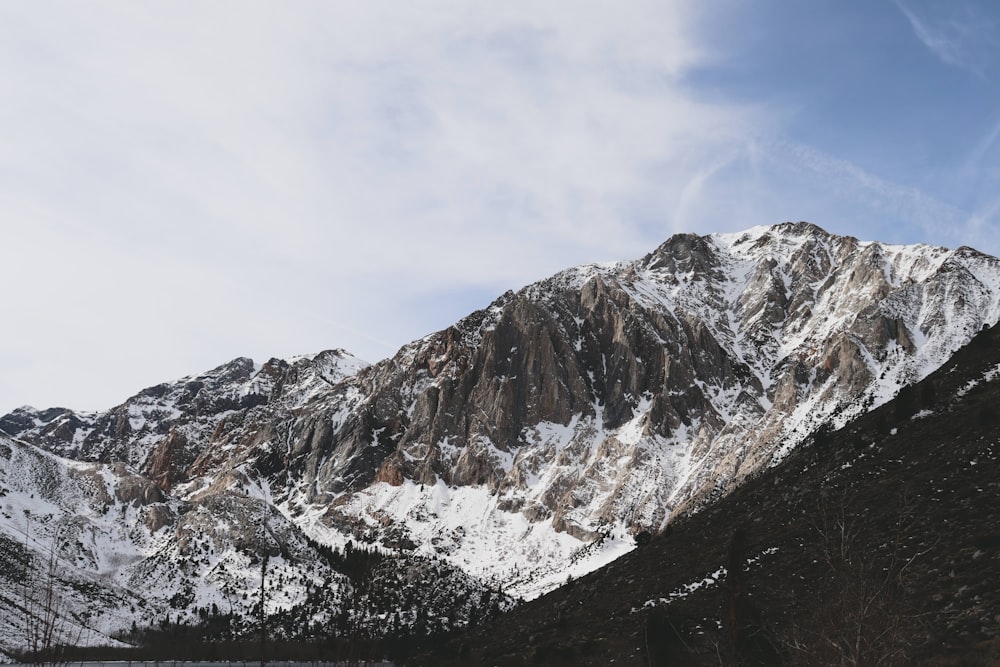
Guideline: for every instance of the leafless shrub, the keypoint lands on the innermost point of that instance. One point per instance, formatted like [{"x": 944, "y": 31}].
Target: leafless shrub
[
  {"x": 866, "y": 617},
  {"x": 47, "y": 627}
]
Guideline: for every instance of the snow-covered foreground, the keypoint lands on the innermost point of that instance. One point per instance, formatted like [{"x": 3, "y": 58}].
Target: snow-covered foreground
[{"x": 465, "y": 527}]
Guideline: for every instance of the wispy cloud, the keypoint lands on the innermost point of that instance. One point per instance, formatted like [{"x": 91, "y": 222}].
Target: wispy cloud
[
  {"x": 182, "y": 183},
  {"x": 983, "y": 148},
  {"x": 281, "y": 129},
  {"x": 955, "y": 32},
  {"x": 901, "y": 206},
  {"x": 228, "y": 170}
]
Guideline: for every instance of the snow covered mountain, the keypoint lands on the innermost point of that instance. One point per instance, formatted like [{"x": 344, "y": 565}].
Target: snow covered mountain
[
  {"x": 869, "y": 545},
  {"x": 531, "y": 440},
  {"x": 92, "y": 552},
  {"x": 163, "y": 429}
]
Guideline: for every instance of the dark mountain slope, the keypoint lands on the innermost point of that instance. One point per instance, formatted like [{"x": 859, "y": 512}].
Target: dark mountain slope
[{"x": 875, "y": 544}]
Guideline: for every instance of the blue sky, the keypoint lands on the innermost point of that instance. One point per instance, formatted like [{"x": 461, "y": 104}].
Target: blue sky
[{"x": 183, "y": 183}]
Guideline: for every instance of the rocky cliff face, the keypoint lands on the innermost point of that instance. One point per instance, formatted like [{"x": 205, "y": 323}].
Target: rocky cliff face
[
  {"x": 530, "y": 439},
  {"x": 872, "y": 543},
  {"x": 610, "y": 397}
]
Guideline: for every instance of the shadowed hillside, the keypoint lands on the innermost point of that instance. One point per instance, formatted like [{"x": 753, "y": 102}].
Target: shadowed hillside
[{"x": 874, "y": 544}]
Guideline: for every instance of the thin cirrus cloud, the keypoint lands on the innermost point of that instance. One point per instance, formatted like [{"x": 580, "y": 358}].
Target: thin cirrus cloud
[
  {"x": 182, "y": 183},
  {"x": 958, "y": 32}
]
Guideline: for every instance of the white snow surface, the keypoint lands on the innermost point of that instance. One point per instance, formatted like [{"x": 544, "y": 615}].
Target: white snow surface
[{"x": 108, "y": 566}]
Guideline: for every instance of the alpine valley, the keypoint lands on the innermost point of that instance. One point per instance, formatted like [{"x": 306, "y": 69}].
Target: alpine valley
[{"x": 527, "y": 445}]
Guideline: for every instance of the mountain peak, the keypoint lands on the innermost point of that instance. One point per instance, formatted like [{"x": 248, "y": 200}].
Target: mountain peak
[
  {"x": 800, "y": 228},
  {"x": 534, "y": 437}
]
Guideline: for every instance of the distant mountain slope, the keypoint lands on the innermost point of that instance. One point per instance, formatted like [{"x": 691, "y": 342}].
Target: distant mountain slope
[
  {"x": 873, "y": 544},
  {"x": 532, "y": 439},
  {"x": 113, "y": 549},
  {"x": 162, "y": 430},
  {"x": 91, "y": 552}
]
